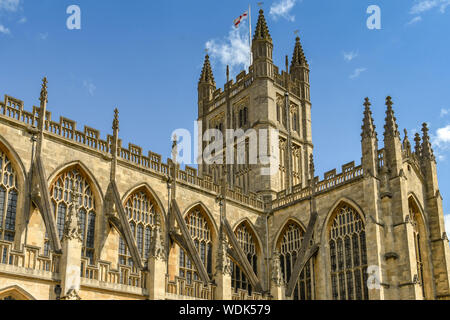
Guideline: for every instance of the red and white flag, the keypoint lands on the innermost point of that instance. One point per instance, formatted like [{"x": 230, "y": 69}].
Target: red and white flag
[{"x": 238, "y": 21}]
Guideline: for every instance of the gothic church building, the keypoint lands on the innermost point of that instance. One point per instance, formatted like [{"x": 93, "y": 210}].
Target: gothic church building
[{"x": 85, "y": 217}]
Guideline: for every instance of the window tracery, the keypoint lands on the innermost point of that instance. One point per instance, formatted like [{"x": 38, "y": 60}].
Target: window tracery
[{"x": 348, "y": 255}]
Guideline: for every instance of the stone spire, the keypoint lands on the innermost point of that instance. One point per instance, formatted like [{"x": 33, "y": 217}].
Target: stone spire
[
  {"x": 368, "y": 128},
  {"x": 42, "y": 116},
  {"x": 391, "y": 127},
  {"x": 44, "y": 94},
  {"x": 311, "y": 167},
  {"x": 298, "y": 57},
  {"x": 262, "y": 31},
  {"x": 418, "y": 146},
  {"x": 406, "y": 143},
  {"x": 369, "y": 142},
  {"x": 115, "y": 125},
  {"x": 427, "y": 151},
  {"x": 207, "y": 74},
  {"x": 392, "y": 142}
]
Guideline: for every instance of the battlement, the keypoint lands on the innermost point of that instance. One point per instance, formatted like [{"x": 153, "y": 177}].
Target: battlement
[
  {"x": 331, "y": 180},
  {"x": 66, "y": 129},
  {"x": 244, "y": 80}
]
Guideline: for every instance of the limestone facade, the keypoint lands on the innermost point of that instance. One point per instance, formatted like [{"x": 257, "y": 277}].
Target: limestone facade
[{"x": 148, "y": 229}]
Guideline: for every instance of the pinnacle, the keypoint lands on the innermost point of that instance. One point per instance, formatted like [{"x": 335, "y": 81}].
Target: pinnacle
[
  {"x": 391, "y": 127},
  {"x": 207, "y": 74},
  {"x": 115, "y": 125},
  {"x": 298, "y": 58},
  {"x": 427, "y": 151},
  {"x": 44, "y": 94},
  {"x": 262, "y": 31},
  {"x": 368, "y": 128}
]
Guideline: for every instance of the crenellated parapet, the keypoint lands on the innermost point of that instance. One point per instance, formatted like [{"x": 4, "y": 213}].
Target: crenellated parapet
[
  {"x": 133, "y": 155},
  {"x": 331, "y": 181}
]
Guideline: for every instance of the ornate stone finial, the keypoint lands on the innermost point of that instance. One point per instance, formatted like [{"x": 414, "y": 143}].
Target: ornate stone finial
[
  {"x": 207, "y": 74},
  {"x": 427, "y": 151},
  {"x": 311, "y": 166},
  {"x": 115, "y": 125},
  {"x": 298, "y": 57},
  {"x": 406, "y": 143},
  {"x": 368, "y": 128},
  {"x": 277, "y": 275},
  {"x": 418, "y": 146},
  {"x": 262, "y": 31},
  {"x": 157, "y": 249},
  {"x": 391, "y": 127},
  {"x": 174, "y": 148},
  {"x": 71, "y": 226},
  {"x": 44, "y": 93},
  {"x": 228, "y": 73},
  {"x": 223, "y": 262}
]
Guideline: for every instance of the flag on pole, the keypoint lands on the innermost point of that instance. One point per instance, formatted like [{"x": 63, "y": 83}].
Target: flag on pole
[{"x": 238, "y": 21}]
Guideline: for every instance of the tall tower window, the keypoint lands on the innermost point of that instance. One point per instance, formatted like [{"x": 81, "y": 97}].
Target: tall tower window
[
  {"x": 8, "y": 199},
  {"x": 61, "y": 196},
  {"x": 289, "y": 246},
  {"x": 348, "y": 255}
]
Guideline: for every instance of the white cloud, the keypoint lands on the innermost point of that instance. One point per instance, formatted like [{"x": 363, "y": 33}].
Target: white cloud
[
  {"x": 443, "y": 136},
  {"x": 447, "y": 223},
  {"x": 426, "y": 5},
  {"x": 282, "y": 9},
  {"x": 43, "y": 36},
  {"x": 441, "y": 142},
  {"x": 4, "y": 30},
  {"x": 357, "y": 73},
  {"x": 89, "y": 85},
  {"x": 234, "y": 50},
  {"x": 444, "y": 112},
  {"x": 414, "y": 20},
  {"x": 349, "y": 56},
  {"x": 9, "y": 5},
  {"x": 22, "y": 20}
]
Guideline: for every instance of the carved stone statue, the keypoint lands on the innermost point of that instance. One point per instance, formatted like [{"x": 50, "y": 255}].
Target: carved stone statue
[
  {"x": 71, "y": 225},
  {"x": 223, "y": 262},
  {"x": 277, "y": 276}
]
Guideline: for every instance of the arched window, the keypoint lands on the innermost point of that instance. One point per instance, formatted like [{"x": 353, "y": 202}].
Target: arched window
[
  {"x": 141, "y": 211},
  {"x": 201, "y": 235},
  {"x": 8, "y": 199},
  {"x": 289, "y": 246},
  {"x": 419, "y": 244},
  {"x": 245, "y": 238},
  {"x": 348, "y": 255},
  {"x": 61, "y": 196}
]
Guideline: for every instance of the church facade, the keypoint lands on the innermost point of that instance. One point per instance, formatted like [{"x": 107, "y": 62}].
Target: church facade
[{"x": 83, "y": 217}]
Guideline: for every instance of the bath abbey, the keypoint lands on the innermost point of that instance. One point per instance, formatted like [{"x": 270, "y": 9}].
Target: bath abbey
[{"x": 85, "y": 217}]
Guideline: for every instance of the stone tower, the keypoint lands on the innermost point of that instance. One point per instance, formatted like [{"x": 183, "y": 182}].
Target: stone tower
[{"x": 263, "y": 98}]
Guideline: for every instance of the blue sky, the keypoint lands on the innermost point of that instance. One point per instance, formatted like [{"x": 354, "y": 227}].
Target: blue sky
[{"x": 145, "y": 58}]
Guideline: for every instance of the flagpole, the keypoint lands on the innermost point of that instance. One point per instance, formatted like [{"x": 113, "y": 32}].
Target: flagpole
[{"x": 250, "y": 32}]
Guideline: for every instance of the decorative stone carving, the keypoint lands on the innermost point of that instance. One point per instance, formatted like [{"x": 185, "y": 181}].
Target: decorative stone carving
[
  {"x": 72, "y": 295},
  {"x": 277, "y": 276},
  {"x": 223, "y": 262},
  {"x": 157, "y": 248},
  {"x": 71, "y": 225}
]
